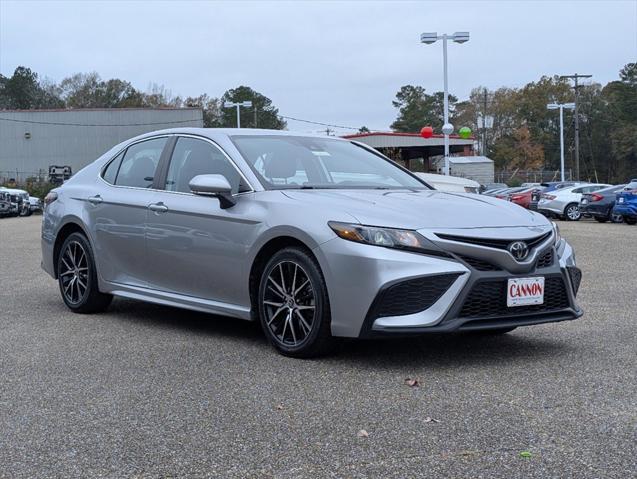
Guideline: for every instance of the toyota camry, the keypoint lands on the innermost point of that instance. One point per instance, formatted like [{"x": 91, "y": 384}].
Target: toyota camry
[{"x": 314, "y": 237}]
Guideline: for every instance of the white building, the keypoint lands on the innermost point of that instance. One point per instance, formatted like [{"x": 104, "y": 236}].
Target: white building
[
  {"x": 33, "y": 140},
  {"x": 477, "y": 168}
]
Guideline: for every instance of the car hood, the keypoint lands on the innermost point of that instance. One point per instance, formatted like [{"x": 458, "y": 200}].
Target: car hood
[{"x": 420, "y": 209}]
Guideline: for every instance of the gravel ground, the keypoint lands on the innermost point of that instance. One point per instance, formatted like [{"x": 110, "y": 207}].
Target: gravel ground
[{"x": 149, "y": 391}]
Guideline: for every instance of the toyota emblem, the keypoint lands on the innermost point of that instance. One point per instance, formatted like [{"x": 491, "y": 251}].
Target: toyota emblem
[{"x": 519, "y": 250}]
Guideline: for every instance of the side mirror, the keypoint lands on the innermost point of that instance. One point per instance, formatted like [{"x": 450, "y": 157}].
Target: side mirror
[{"x": 213, "y": 185}]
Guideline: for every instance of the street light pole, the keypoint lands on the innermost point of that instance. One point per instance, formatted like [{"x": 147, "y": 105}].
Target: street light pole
[
  {"x": 458, "y": 37},
  {"x": 561, "y": 106},
  {"x": 576, "y": 87},
  {"x": 238, "y": 105}
]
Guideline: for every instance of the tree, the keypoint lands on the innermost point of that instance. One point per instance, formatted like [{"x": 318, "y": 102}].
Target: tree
[
  {"x": 87, "y": 90},
  {"x": 212, "y": 112},
  {"x": 21, "y": 89},
  {"x": 416, "y": 109},
  {"x": 363, "y": 129},
  {"x": 262, "y": 114}
]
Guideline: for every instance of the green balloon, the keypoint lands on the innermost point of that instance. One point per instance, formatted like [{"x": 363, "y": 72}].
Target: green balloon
[{"x": 464, "y": 132}]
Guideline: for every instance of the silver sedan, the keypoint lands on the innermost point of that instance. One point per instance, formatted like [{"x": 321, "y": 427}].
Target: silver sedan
[{"x": 314, "y": 237}]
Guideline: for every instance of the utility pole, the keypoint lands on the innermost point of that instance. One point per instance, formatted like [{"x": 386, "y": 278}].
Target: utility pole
[
  {"x": 255, "y": 116},
  {"x": 484, "y": 123},
  {"x": 576, "y": 86}
]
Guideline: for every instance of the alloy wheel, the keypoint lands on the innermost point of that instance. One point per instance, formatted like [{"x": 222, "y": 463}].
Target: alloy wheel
[
  {"x": 616, "y": 218},
  {"x": 74, "y": 273},
  {"x": 289, "y": 303},
  {"x": 573, "y": 212}
]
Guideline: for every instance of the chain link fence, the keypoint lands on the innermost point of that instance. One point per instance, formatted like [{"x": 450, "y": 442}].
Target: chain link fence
[{"x": 512, "y": 177}]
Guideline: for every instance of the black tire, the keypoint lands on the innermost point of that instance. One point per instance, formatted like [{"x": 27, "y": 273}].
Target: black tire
[
  {"x": 281, "y": 302},
  {"x": 572, "y": 212},
  {"x": 630, "y": 221},
  {"x": 601, "y": 219},
  {"x": 616, "y": 218},
  {"x": 75, "y": 261}
]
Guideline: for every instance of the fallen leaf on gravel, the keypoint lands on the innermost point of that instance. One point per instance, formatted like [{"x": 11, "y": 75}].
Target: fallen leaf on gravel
[
  {"x": 525, "y": 454},
  {"x": 362, "y": 433},
  {"x": 279, "y": 407},
  {"x": 412, "y": 382},
  {"x": 431, "y": 419}
]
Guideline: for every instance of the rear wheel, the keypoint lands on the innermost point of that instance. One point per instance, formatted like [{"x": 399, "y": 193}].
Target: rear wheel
[
  {"x": 294, "y": 309},
  {"x": 572, "y": 212},
  {"x": 77, "y": 276}
]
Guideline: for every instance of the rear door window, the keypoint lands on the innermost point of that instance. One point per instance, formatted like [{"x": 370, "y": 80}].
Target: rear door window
[
  {"x": 110, "y": 172},
  {"x": 139, "y": 164}
]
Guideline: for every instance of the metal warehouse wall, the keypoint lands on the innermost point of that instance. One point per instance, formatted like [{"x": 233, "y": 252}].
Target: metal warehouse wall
[{"x": 76, "y": 137}]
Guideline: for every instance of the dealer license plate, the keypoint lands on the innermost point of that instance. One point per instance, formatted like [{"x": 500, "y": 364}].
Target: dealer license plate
[{"x": 525, "y": 291}]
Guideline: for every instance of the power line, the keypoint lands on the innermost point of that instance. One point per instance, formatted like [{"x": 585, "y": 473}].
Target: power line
[{"x": 322, "y": 124}]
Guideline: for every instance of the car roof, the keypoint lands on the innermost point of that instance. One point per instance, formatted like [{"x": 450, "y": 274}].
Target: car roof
[{"x": 216, "y": 133}]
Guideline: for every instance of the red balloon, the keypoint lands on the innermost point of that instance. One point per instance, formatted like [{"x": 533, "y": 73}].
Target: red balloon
[{"x": 427, "y": 132}]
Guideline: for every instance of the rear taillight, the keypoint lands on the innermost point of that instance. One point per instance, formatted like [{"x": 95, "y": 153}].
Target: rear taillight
[
  {"x": 516, "y": 197},
  {"x": 596, "y": 197},
  {"x": 50, "y": 198},
  {"x": 548, "y": 197}
]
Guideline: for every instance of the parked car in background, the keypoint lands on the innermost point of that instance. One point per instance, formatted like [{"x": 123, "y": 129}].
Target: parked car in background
[
  {"x": 523, "y": 198},
  {"x": 626, "y": 203},
  {"x": 5, "y": 204},
  {"x": 313, "y": 237},
  {"x": 450, "y": 183},
  {"x": 564, "y": 203},
  {"x": 548, "y": 187},
  {"x": 504, "y": 195},
  {"x": 19, "y": 200},
  {"x": 599, "y": 205},
  {"x": 494, "y": 191},
  {"x": 494, "y": 186},
  {"x": 35, "y": 204}
]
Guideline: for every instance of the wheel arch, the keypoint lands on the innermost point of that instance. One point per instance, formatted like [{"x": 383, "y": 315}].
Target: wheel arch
[
  {"x": 70, "y": 226},
  {"x": 264, "y": 253}
]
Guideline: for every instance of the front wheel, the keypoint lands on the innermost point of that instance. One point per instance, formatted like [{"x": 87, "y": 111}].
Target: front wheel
[
  {"x": 630, "y": 221},
  {"x": 294, "y": 309},
  {"x": 572, "y": 212},
  {"x": 601, "y": 219},
  {"x": 616, "y": 218},
  {"x": 77, "y": 276}
]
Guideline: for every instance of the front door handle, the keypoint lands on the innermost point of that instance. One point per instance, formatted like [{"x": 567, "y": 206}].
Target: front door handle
[
  {"x": 158, "y": 207},
  {"x": 95, "y": 200}
]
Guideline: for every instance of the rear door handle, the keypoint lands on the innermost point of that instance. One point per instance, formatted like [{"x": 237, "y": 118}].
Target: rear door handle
[
  {"x": 95, "y": 200},
  {"x": 158, "y": 207}
]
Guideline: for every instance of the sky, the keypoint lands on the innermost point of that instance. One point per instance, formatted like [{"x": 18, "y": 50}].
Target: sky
[{"x": 328, "y": 61}]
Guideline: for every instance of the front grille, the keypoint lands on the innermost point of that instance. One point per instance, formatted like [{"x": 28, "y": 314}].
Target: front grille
[
  {"x": 413, "y": 295},
  {"x": 479, "y": 264},
  {"x": 576, "y": 277},
  {"x": 546, "y": 259},
  {"x": 493, "y": 243},
  {"x": 489, "y": 298}
]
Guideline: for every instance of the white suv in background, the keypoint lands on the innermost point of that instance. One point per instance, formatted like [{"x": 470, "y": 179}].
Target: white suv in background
[{"x": 565, "y": 202}]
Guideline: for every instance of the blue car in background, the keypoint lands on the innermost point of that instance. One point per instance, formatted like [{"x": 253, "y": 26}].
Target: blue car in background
[{"x": 626, "y": 203}]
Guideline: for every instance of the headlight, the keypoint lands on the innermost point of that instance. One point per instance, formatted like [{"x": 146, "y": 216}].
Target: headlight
[
  {"x": 556, "y": 230},
  {"x": 387, "y": 237}
]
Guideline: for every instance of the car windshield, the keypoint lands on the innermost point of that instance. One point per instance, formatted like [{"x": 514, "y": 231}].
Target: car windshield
[{"x": 284, "y": 162}]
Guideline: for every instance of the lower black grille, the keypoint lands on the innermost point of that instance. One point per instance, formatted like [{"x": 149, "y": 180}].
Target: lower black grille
[
  {"x": 489, "y": 298},
  {"x": 576, "y": 277},
  {"x": 479, "y": 264},
  {"x": 546, "y": 259},
  {"x": 413, "y": 295}
]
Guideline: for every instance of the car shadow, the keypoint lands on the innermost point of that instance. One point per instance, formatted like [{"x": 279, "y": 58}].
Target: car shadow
[{"x": 438, "y": 351}]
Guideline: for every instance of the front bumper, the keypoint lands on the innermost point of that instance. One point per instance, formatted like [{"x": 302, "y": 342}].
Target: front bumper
[{"x": 359, "y": 276}]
